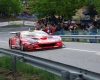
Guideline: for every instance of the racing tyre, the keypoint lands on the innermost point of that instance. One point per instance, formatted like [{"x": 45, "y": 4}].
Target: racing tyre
[
  {"x": 10, "y": 45},
  {"x": 63, "y": 46},
  {"x": 21, "y": 47}
]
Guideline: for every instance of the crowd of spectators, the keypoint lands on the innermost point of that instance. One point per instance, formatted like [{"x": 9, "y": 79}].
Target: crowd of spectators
[
  {"x": 26, "y": 15},
  {"x": 56, "y": 26}
]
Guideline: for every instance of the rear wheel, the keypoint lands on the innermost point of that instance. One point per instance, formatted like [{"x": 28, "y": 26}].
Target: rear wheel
[
  {"x": 10, "y": 45},
  {"x": 21, "y": 47}
]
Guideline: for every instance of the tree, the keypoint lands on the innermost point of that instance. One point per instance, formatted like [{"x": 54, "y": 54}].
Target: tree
[
  {"x": 93, "y": 8},
  {"x": 96, "y": 4},
  {"x": 66, "y": 8},
  {"x": 9, "y": 7}
]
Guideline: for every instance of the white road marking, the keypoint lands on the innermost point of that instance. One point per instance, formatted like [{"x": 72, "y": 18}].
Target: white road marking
[
  {"x": 96, "y": 52},
  {"x": 3, "y": 41}
]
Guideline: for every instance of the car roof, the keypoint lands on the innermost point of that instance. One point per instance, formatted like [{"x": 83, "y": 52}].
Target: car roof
[
  {"x": 32, "y": 31},
  {"x": 26, "y": 31}
]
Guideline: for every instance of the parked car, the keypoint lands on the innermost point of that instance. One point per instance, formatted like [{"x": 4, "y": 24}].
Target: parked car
[{"x": 34, "y": 40}]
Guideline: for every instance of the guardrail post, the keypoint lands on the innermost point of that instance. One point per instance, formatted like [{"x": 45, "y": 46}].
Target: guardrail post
[
  {"x": 13, "y": 63},
  {"x": 65, "y": 75},
  {"x": 80, "y": 77}
]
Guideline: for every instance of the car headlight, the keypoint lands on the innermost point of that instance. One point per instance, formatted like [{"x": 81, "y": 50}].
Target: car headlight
[{"x": 58, "y": 38}]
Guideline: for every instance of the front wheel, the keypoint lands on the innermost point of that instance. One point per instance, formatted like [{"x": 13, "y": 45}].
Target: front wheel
[{"x": 63, "y": 45}]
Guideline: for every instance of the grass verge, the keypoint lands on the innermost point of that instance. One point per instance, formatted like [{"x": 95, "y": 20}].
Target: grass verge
[{"x": 24, "y": 71}]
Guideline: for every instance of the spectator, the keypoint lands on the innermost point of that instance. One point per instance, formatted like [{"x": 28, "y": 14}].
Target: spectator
[
  {"x": 44, "y": 28},
  {"x": 62, "y": 29},
  {"x": 69, "y": 23},
  {"x": 84, "y": 32},
  {"x": 58, "y": 29},
  {"x": 38, "y": 26},
  {"x": 52, "y": 29},
  {"x": 74, "y": 31},
  {"x": 92, "y": 31},
  {"x": 48, "y": 29}
]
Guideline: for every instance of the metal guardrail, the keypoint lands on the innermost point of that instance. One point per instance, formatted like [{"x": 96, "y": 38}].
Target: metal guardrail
[
  {"x": 81, "y": 36},
  {"x": 67, "y": 72}
]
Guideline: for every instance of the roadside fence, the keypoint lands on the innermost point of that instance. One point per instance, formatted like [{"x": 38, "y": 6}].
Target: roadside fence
[
  {"x": 67, "y": 72},
  {"x": 20, "y": 22}
]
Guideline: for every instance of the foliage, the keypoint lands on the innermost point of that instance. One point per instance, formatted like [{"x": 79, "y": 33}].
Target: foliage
[
  {"x": 93, "y": 7},
  {"x": 9, "y": 7},
  {"x": 2, "y": 77},
  {"x": 65, "y": 8},
  {"x": 96, "y": 4}
]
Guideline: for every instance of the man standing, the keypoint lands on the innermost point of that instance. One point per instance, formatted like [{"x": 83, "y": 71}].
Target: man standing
[
  {"x": 69, "y": 23},
  {"x": 52, "y": 28},
  {"x": 74, "y": 31},
  {"x": 92, "y": 31},
  {"x": 37, "y": 26}
]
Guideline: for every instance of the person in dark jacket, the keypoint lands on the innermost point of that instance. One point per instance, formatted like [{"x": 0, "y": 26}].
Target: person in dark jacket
[
  {"x": 62, "y": 29},
  {"x": 58, "y": 29},
  {"x": 38, "y": 27},
  {"x": 74, "y": 31}
]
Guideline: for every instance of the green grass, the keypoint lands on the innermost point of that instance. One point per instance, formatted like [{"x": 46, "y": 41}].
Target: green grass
[
  {"x": 2, "y": 77},
  {"x": 28, "y": 70}
]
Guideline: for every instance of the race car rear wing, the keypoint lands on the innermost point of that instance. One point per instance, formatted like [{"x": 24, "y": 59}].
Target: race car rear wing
[{"x": 13, "y": 32}]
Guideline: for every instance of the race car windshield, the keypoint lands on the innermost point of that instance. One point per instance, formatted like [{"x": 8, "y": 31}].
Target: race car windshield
[{"x": 36, "y": 33}]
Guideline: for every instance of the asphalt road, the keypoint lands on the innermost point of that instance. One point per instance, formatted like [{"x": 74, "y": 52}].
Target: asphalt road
[{"x": 82, "y": 55}]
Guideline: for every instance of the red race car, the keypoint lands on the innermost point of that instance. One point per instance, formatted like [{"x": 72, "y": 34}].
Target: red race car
[{"x": 33, "y": 40}]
